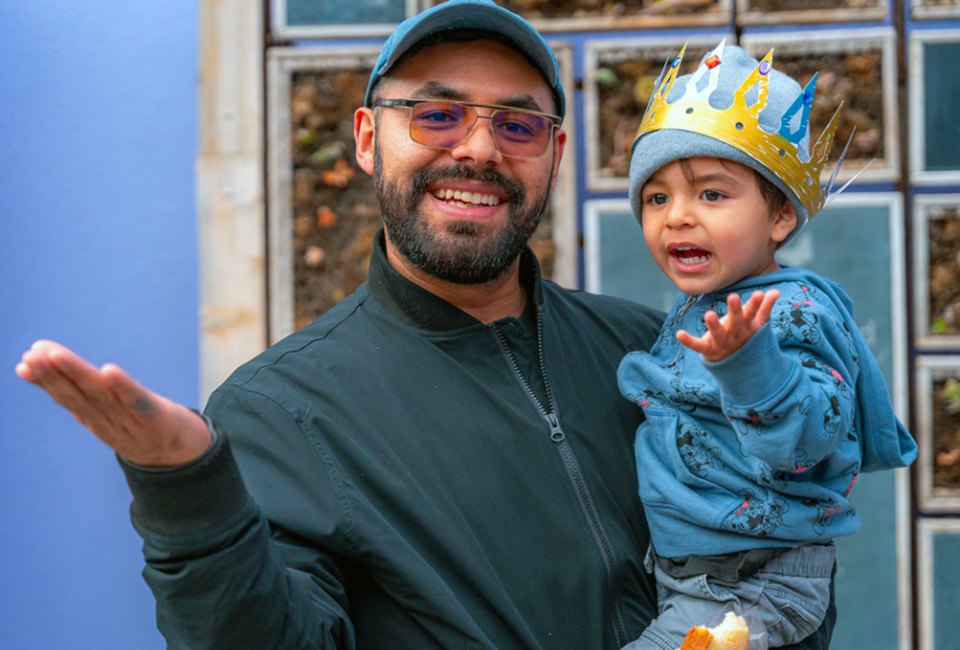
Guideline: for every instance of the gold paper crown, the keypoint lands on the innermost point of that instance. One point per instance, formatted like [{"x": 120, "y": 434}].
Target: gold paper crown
[{"x": 738, "y": 125}]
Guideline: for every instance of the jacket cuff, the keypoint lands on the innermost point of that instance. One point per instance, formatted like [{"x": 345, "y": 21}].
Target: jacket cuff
[
  {"x": 754, "y": 373},
  {"x": 180, "y": 501}
]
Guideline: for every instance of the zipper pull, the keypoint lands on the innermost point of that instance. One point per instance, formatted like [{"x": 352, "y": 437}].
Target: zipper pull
[
  {"x": 556, "y": 433},
  {"x": 691, "y": 298}
]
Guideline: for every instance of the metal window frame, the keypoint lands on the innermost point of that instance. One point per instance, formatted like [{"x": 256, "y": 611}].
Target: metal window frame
[
  {"x": 722, "y": 16},
  {"x": 920, "y": 11},
  {"x": 931, "y": 368},
  {"x": 656, "y": 49},
  {"x": 923, "y": 207},
  {"x": 748, "y": 16},
  {"x": 594, "y": 212},
  {"x": 837, "y": 41},
  {"x": 281, "y": 29},
  {"x": 919, "y": 175},
  {"x": 927, "y": 529},
  {"x": 282, "y": 63}
]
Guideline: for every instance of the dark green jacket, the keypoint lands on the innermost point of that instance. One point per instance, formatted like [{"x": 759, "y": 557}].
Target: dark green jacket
[{"x": 407, "y": 480}]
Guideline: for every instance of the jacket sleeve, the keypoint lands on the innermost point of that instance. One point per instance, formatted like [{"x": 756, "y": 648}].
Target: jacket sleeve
[
  {"x": 223, "y": 576},
  {"x": 789, "y": 391}
]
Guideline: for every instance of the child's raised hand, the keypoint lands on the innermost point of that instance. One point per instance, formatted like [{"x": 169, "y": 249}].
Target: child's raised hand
[{"x": 728, "y": 334}]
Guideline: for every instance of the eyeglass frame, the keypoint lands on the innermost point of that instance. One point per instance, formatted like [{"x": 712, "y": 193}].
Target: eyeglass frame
[{"x": 555, "y": 120}]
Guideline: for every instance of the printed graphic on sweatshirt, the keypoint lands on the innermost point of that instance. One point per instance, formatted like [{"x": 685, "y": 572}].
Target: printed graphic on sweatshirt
[
  {"x": 826, "y": 509},
  {"x": 752, "y": 423},
  {"x": 719, "y": 306},
  {"x": 778, "y": 478},
  {"x": 831, "y": 416},
  {"x": 800, "y": 321},
  {"x": 835, "y": 379},
  {"x": 698, "y": 451},
  {"x": 757, "y": 516}
]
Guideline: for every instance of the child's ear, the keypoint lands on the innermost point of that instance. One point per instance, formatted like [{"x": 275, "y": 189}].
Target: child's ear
[{"x": 784, "y": 222}]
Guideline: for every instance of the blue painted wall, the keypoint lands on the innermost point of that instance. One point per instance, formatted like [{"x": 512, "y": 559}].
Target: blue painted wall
[{"x": 98, "y": 249}]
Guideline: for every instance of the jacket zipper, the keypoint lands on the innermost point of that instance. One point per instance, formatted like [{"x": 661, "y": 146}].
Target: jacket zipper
[{"x": 557, "y": 435}]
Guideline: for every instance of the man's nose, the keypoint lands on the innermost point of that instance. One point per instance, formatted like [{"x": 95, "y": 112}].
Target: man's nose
[{"x": 479, "y": 145}]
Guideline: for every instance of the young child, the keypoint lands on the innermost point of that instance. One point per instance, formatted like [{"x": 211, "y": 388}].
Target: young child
[{"x": 763, "y": 402}]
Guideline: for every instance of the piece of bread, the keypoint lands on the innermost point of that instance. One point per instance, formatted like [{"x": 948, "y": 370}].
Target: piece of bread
[
  {"x": 698, "y": 638},
  {"x": 731, "y": 634}
]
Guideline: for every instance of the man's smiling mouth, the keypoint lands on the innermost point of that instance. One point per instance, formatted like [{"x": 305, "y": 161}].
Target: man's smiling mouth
[{"x": 466, "y": 199}]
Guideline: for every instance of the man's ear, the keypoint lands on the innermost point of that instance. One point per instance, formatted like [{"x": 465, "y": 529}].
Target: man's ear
[
  {"x": 363, "y": 135},
  {"x": 784, "y": 222},
  {"x": 560, "y": 143}
]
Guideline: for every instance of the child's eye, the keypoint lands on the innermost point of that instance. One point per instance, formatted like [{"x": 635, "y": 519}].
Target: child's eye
[
  {"x": 657, "y": 199},
  {"x": 711, "y": 195}
]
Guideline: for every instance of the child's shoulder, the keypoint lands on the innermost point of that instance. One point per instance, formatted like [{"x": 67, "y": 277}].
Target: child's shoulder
[{"x": 796, "y": 284}]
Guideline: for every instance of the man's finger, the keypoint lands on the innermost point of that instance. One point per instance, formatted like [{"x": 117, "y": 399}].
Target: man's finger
[
  {"x": 55, "y": 369},
  {"x": 65, "y": 393},
  {"x": 25, "y": 373},
  {"x": 33, "y": 365},
  {"x": 46, "y": 374},
  {"x": 141, "y": 403},
  {"x": 85, "y": 376}
]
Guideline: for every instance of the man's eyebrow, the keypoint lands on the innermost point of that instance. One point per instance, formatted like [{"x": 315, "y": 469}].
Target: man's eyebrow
[
  {"x": 437, "y": 90},
  {"x": 522, "y": 101}
]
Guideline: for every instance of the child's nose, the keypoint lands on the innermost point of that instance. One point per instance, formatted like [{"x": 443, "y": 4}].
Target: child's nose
[{"x": 680, "y": 213}]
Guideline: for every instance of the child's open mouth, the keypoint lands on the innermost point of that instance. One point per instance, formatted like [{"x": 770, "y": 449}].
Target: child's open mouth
[{"x": 690, "y": 255}]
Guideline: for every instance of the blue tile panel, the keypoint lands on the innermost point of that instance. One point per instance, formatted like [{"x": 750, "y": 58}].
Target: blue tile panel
[{"x": 946, "y": 590}]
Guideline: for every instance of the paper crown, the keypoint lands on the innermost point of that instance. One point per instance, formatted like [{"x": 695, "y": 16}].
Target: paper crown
[{"x": 782, "y": 150}]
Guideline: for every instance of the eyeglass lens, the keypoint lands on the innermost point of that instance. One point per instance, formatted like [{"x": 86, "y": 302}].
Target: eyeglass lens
[{"x": 446, "y": 124}]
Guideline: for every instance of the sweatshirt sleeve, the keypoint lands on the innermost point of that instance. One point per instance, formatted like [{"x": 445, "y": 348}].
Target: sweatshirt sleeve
[
  {"x": 789, "y": 391},
  {"x": 221, "y": 576}
]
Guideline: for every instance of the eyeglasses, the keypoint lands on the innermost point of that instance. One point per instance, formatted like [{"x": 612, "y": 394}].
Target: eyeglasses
[{"x": 446, "y": 125}]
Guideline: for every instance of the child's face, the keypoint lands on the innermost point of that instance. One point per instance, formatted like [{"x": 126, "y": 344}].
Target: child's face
[{"x": 708, "y": 226}]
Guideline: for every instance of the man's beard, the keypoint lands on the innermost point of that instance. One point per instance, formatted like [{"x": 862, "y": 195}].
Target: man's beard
[{"x": 463, "y": 254}]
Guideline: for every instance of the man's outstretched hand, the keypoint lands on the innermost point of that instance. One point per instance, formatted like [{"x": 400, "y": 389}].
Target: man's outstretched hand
[
  {"x": 141, "y": 426},
  {"x": 726, "y": 335}
]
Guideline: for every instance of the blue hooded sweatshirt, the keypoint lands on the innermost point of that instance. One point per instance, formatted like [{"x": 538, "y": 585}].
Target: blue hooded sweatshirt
[{"x": 763, "y": 448}]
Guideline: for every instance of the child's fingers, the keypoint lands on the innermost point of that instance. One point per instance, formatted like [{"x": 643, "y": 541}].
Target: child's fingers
[
  {"x": 688, "y": 340},
  {"x": 716, "y": 328},
  {"x": 734, "y": 307},
  {"x": 766, "y": 306},
  {"x": 752, "y": 305}
]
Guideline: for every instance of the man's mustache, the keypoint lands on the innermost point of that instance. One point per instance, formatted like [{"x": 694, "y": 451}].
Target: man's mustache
[{"x": 423, "y": 178}]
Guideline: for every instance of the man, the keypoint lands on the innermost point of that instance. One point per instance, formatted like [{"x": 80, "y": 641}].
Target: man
[{"x": 443, "y": 459}]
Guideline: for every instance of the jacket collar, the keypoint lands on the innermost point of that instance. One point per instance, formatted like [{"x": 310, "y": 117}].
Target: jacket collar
[{"x": 418, "y": 307}]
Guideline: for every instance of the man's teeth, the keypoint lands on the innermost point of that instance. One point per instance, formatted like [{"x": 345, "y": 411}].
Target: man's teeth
[{"x": 467, "y": 198}]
